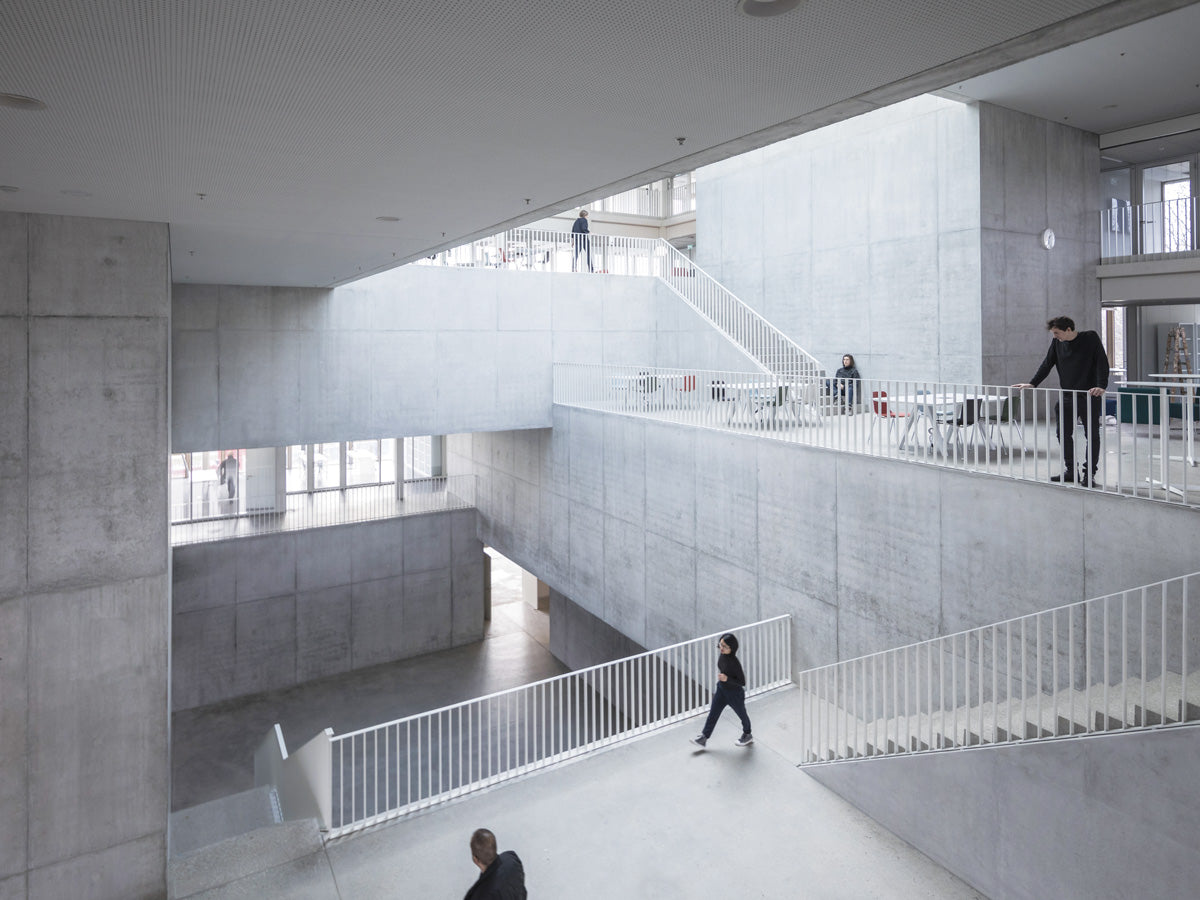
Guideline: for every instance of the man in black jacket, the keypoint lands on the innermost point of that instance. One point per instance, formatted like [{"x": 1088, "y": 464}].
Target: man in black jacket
[
  {"x": 501, "y": 876},
  {"x": 583, "y": 240},
  {"x": 1083, "y": 375}
]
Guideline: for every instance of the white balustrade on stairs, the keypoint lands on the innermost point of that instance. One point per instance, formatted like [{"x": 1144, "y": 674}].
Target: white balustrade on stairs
[{"x": 1116, "y": 663}]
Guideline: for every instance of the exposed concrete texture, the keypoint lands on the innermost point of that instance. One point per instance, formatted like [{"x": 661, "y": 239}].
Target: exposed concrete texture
[
  {"x": 579, "y": 639},
  {"x": 862, "y": 237},
  {"x": 1034, "y": 174},
  {"x": 84, "y": 584},
  {"x": 910, "y": 237},
  {"x": 865, "y": 553},
  {"x": 1103, "y": 816},
  {"x": 270, "y": 612},
  {"x": 419, "y": 350}
]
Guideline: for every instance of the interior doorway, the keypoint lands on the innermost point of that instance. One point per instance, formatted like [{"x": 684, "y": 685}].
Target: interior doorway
[{"x": 516, "y": 599}]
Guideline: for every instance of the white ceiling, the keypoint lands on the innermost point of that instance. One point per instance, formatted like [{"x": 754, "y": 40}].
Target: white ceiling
[
  {"x": 272, "y": 134},
  {"x": 1145, "y": 73}
]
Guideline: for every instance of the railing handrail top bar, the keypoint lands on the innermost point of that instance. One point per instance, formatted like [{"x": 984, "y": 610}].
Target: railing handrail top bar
[
  {"x": 1001, "y": 623},
  {"x": 1163, "y": 383},
  {"x": 774, "y": 377},
  {"x": 563, "y": 676}
]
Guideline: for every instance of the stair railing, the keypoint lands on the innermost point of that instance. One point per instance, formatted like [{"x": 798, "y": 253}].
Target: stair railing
[
  {"x": 399, "y": 767},
  {"x": 1116, "y": 663},
  {"x": 557, "y": 251}
]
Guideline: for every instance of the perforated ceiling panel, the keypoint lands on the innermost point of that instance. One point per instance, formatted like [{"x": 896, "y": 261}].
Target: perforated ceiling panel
[{"x": 272, "y": 134}]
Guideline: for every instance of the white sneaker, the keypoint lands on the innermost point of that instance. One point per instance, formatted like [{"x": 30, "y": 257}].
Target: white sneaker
[
  {"x": 699, "y": 740},
  {"x": 744, "y": 741}
]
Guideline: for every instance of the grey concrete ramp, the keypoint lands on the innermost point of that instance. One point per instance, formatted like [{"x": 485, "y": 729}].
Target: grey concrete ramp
[{"x": 657, "y": 818}]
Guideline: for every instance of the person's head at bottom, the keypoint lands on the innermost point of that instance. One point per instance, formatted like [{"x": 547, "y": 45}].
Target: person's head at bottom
[
  {"x": 483, "y": 848},
  {"x": 501, "y": 875}
]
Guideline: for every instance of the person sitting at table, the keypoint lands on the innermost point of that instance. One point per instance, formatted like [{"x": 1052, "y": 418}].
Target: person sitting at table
[{"x": 843, "y": 383}]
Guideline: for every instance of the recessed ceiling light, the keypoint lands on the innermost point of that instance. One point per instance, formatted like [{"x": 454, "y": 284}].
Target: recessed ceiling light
[
  {"x": 19, "y": 101},
  {"x": 387, "y": 218},
  {"x": 75, "y": 192},
  {"x": 9, "y": 188},
  {"x": 763, "y": 8}
]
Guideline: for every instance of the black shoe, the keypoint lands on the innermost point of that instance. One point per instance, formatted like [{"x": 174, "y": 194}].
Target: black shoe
[{"x": 1065, "y": 477}]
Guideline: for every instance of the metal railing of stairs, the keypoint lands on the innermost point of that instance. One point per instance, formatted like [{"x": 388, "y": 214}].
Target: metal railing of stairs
[
  {"x": 1117, "y": 663},
  {"x": 555, "y": 251}
]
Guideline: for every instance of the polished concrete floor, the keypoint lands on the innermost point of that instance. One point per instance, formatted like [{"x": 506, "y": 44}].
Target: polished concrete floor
[
  {"x": 651, "y": 818},
  {"x": 213, "y": 746}
]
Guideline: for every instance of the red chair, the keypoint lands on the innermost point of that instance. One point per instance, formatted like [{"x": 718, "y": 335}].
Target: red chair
[{"x": 880, "y": 405}]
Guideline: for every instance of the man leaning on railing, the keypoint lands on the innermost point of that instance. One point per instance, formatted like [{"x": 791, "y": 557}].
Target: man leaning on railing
[{"x": 1082, "y": 367}]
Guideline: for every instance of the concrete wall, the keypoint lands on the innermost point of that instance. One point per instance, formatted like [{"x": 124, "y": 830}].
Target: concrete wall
[
  {"x": 84, "y": 563},
  {"x": 1109, "y": 816},
  {"x": 911, "y": 237},
  {"x": 419, "y": 350},
  {"x": 579, "y": 639},
  {"x": 667, "y": 532},
  {"x": 269, "y": 612},
  {"x": 1035, "y": 174},
  {"x": 861, "y": 237}
]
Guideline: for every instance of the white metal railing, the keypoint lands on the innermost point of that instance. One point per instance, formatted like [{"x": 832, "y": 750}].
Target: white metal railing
[
  {"x": 322, "y": 508},
  {"x": 771, "y": 348},
  {"x": 1148, "y": 229},
  {"x": 657, "y": 200},
  {"x": 1145, "y": 442},
  {"x": 412, "y": 763},
  {"x": 556, "y": 251},
  {"x": 1115, "y": 663}
]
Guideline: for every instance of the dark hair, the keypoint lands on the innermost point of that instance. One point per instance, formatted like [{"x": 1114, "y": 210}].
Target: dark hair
[
  {"x": 851, "y": 355},
  {"x": 483, "y": 846},
  {"x": 1062, "y": 323},
  {"x": 731, "y": 642}
]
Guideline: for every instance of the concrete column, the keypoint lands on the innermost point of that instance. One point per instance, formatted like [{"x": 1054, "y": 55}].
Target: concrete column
[{"x": 84, "y": 561}]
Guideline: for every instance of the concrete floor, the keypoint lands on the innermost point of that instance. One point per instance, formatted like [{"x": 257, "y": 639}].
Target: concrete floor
[
  {"x": 213, "y": 746},
  {"x": 651, "y": 818},
  {"x": 654, "y": 817}
]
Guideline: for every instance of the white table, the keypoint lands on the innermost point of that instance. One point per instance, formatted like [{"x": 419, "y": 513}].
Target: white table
[
  {"x": 751, "y": 397},
  {"x": 1188, "y": 385},
  {"x": 940, "y": 408}
]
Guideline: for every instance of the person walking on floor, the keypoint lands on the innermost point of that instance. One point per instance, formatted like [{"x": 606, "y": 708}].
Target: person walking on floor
[
  {"x": 1083, "y": 375},
  {"x": 501, "y": 875},
  {"x": 583, "y": 241},
  {"x": 730, "y": 691}
]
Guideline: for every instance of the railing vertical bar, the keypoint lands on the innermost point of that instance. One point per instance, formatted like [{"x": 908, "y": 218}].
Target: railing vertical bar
[
  {"x": 1105, "y": 673},
  {"x": 1054, "y": 670},
  {"x": 1142, "y": 659},
  {"x": 1037, "y": 622},
  {"x": 1124, "y": 661}
]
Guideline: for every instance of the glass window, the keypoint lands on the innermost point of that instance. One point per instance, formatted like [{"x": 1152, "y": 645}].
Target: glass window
[
  {"x": 1166, "y": 208},
  {"x": 418, "y": 457},
  {"x": 387, "y": 461},
  {"x": 327, "y": 465},
  {"x": 297, "y": 468},
  {"x": 362, "y": 462}
]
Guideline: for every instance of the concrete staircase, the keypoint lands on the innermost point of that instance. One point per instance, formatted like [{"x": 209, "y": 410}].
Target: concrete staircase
[
  {"x": 224, "y": 840},
  {"x": 1126, "y": 705}
]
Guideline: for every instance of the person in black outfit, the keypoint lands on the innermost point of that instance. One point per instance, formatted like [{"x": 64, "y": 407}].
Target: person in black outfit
[
  {"x": 843, "y": 382},
  {"x": 1083, "y": 375},
  {"x": 583, "y": 241},
  {"x": 731, "y": 692},
  {"x": 501, "y": 875}
]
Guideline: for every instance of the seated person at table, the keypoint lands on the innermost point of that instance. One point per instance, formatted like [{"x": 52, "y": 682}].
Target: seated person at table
[{"x": 843, "y": 382}]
